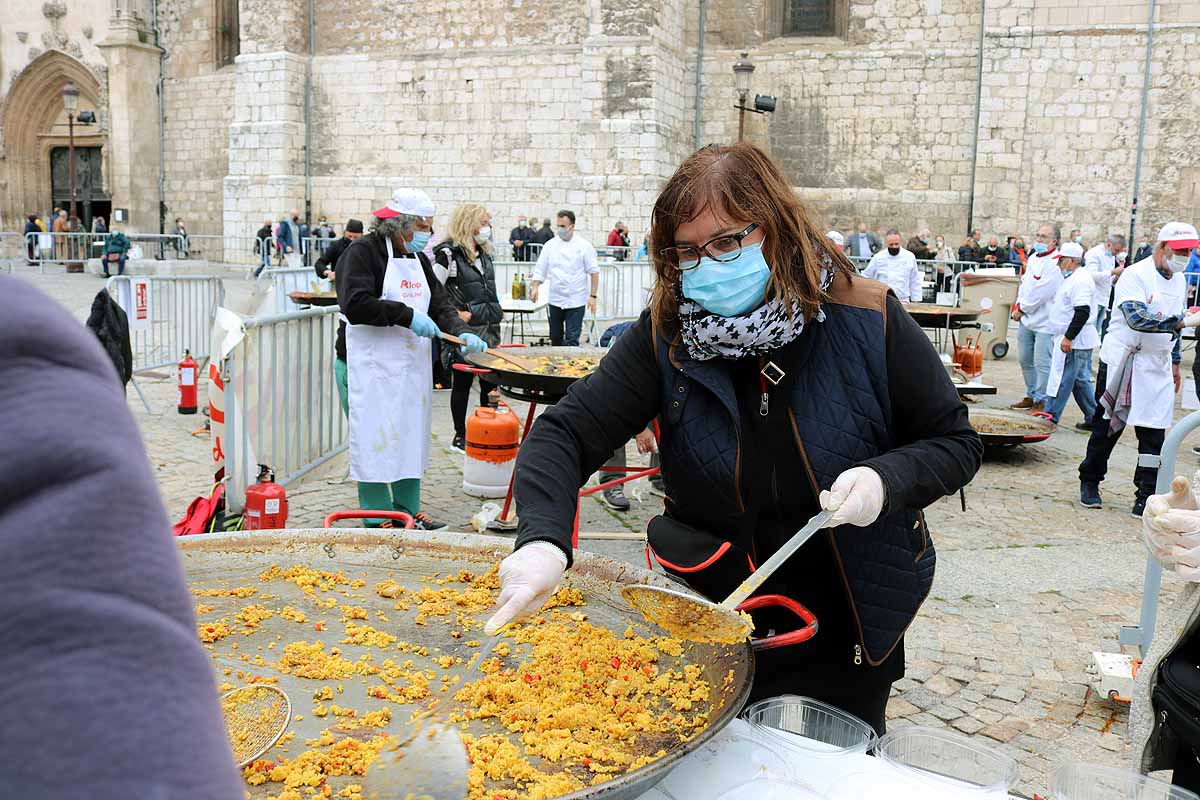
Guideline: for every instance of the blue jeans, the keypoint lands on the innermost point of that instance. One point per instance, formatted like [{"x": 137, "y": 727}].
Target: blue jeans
[
  {"x": 1077, "y": 380},
  {"x": 108, "y": 265},
  {"x": 565, "y": 325},
  {"x": 1043, "y": 346},
  {"x": 1026, "y": 339}
]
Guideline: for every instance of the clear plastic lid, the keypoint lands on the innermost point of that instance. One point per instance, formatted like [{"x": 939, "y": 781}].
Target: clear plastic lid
[
  {"x": 1094, "y": 782},
  {"x": 819, "y": 729},
  {"x": 939, "y": 755},
  {"x": 732, "y": 757},
  {"x": 771, "y": 789}
]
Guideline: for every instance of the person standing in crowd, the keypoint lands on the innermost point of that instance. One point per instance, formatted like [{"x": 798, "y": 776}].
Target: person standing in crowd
[
  {"x": 394, "y": 306},
  {"x": 326, "y": 269},
  {"x": 1077, "y": 236},
  {"x": 863, "y": 422},
  {"x": 618, "y": 237},
  {"x": 862, "y": 243},
  {"x": 1140, "y": 359},
  {"x": 116, "y": 246},
  {"x": 31, "y": 243},
  {"x": 1032, "y": 309},
  {"x": 1144, "y": 251},
  {"x": 896, "y": 267},
  {"x": 324, "y": 235},
  {"x": 993, "y": 255},
  {"x": 1075, "y": 336},
  {"x": 519, "y": 239},
  {"x": 921, "y": 246},
  {"x": 1105, "y": 262},
  {"x": 466, "y": 255},
  {"x": 1193, "y": 275},
  {"x": 180, "y": 242},
  {"x": 291, "y": 234},
  {"x": 569, "y": 263},
  {"x": 263, "y": 241},
  {"x": 944, "y": 258},
  {"x": 968, "y": 251},
  {"x": 1016, "y": 254},
  {"x": 60, "y": 229},
  {"x": 836, "y": 237},
  {"x": 544, "y": 234},
  {"x": 98, "y": 225}
]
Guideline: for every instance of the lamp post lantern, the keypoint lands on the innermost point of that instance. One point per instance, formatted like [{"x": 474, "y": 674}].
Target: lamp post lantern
[
  {"x": 742, "y": 70},
  {"x": 70, "y": 96}
]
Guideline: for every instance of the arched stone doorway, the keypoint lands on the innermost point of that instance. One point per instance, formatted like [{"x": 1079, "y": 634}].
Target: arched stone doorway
[{"x": 34, "y": 124}]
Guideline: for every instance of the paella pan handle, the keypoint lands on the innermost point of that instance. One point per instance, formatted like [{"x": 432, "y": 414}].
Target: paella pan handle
[
  {"x": 782, "y": 639},
  {"x": 468, "y": 368},
  {"x": 367, "y": 513}
]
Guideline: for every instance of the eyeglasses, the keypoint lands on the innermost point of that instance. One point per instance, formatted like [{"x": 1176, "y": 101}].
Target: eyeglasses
[{"x": 723, "y": 248}]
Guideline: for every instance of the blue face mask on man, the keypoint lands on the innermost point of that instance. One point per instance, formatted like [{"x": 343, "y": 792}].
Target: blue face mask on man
[
  {"x": 1041, "y": 248},
  {"x": 729, "y": 288},
  {"x": 419, "y": 240}
]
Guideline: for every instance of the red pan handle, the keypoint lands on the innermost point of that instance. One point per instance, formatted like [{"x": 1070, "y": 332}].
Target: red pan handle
[
  {"x": 513, "y": 344},
  {"x": 782, "y": 639},
  {"x": 366, "y": 513},
  {"x": 468, "y": 368}
]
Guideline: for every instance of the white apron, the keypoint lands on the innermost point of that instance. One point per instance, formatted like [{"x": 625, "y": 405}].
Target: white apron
[
  {"x": 391, "y": 385},
  {"x": 1151, "y": 382}
]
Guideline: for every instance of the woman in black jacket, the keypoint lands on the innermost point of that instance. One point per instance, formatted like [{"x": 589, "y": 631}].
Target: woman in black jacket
[
  {"x": 466, "y": 254},
  {"x": 783, "y": 384}
]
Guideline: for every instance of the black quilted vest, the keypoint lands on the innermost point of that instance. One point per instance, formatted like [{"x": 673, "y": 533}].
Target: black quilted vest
[{"x": 841, "y": 416}]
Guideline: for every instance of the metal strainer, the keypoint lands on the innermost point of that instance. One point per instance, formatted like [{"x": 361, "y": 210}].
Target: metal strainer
[
  {"x": 698, "y": 620},
  {"x": 255, "y": 717}
]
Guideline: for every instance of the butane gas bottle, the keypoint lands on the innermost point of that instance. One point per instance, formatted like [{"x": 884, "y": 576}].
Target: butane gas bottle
[
  {"x": 493, "y": 436},
  {"x": 266, "y": 503},
  {"x": 188, "y": 369}
]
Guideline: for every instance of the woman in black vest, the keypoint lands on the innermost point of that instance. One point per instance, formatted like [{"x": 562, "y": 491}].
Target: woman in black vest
[
  {"x": 783, "y": 384},
  {"x": 466, "y": 254}
]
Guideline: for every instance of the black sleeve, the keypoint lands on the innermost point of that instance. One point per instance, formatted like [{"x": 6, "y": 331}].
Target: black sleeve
[
  {"x": 579, "y": 433},
  {"x": 441, "y": 310},
  {"x": 1078, "y": 321},
  {"x": 330, "y": 257},
  {"x": 937, "y": 451},
  {"x": 359, "y": 284}
]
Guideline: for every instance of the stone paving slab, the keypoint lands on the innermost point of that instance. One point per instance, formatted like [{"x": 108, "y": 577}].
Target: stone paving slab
[{"x": 1029, "y": 583}]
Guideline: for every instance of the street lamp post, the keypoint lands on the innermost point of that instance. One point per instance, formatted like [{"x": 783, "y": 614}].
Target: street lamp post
[
  {"x": 742, "y": 70},
  {"x": 70, "y": 96}
]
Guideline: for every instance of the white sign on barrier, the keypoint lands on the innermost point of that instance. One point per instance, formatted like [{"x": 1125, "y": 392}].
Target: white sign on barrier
[{"x": 139, "y": 314}]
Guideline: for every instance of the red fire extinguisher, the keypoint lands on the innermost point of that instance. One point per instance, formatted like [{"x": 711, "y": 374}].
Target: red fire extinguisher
[
  {"x": 188, "y": 369},
  {"x": 266, "y": 503}
]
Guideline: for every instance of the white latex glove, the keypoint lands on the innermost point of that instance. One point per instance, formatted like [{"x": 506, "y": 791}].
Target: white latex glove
[
  {"x": 528, "y": 577},
  {"x": 856, "y": 497},
  {"x": 1171, "y": 529},
  {"x": 1192, "y": 320}
]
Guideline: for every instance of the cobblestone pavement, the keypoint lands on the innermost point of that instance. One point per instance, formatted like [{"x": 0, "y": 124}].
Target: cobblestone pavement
[{"x": 1028, "y": 582}]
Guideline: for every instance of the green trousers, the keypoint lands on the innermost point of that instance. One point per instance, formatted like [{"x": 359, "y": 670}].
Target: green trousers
[{"x": 403, "y": 495}]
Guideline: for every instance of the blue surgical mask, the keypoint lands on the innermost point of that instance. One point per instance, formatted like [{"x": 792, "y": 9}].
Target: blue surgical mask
[
  {"x": 419, "y": 240},
  {"x": 1040, "y": 248},
  {"x": 729, "y": 288},
  {"x": 563, "y": 232}
]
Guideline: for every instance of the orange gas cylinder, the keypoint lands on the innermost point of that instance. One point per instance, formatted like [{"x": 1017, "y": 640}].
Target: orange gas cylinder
[{"x": 493, "y": 436}]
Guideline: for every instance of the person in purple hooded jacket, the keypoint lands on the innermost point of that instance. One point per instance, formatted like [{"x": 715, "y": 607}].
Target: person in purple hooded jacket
[{"x": 105, "y": 689}]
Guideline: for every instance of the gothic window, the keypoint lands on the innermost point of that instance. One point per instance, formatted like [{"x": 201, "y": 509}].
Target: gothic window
[
  {"x": 806, "y": 17},
  {"x": 226, "y": 40}
]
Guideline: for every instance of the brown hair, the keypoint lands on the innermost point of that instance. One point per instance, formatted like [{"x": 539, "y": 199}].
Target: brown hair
[{"x": 745, "y": 185}]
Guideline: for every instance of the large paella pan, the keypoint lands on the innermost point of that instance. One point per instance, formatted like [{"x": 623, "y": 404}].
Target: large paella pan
[
  {"x": 363, "y": 629},
  {"x": 1001, "y": 427},
  {"x": 551, "y": 370}
]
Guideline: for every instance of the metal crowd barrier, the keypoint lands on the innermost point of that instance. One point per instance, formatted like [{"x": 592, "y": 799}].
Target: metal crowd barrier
[
  {"x": 291, "y": 279},
  {"x": 79, "y": 246},
  {"x": 937, "y": 276},
  {"x": 281, "y": 399}
]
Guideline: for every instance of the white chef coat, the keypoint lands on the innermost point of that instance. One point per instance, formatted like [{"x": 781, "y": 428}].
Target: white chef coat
[
  {"x": 1100, "y": 263},
  {"x": 897, "y": 271},
  {"x": 1036, "y": 293},
  {"x": 1074, "y": 290},
  {"x": 567, "y": 265},
  {"x": 1152, "y": 386}
]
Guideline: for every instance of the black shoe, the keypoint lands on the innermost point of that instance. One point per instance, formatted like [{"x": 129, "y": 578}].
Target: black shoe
[
  {"x": 614, "y": 498},
  {"x": 1086, "y": 425},
  {"x": 656, "y": 483},
  {"x": 424, "y": 522},
  {"x": 459, "y": 445},
  {"x": 1089, "y": 494},
  {"x": 1138, "y": 507}
]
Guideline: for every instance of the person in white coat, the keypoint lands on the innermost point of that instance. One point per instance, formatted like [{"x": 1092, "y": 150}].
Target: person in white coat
[
  {"x": 1105, "y": 262},
  {"x": 896, "y": 267},
  {"x": 1070, "y": 320},
  {"x": 1035, "y": 340},
  {"x": 395, "y": 306},
  {"x": 1140, "y": 355}
]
